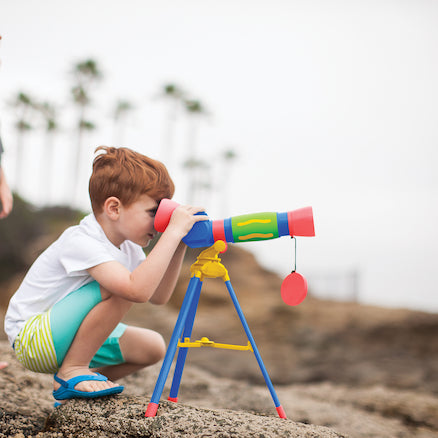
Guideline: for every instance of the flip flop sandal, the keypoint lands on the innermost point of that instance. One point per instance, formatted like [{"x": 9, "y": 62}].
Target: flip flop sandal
[{"x": 67, "y": 391}]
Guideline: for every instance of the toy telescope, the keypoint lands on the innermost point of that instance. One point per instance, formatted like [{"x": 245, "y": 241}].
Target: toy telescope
[
  {"x": 244, "y": 228},
  {"x": 247, "y": 228},
  {"x": 216, "y": 234}
]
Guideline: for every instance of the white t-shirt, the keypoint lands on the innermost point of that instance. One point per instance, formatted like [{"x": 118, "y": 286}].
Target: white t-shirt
[{"x": 62, "y": 268}]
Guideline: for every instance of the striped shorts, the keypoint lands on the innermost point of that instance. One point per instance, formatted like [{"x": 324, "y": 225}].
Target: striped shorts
[
  {"x": 45, "y": 339},
  {"x": 34, "y": 346}
]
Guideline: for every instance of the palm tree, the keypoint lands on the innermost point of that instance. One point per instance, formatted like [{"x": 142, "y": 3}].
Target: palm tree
[
  {"x": 228, "y": 157},
  {"x": 197, "y": 168},
  {"x": 195, "y": 111},
  {"x": 123, "y": 107},
  {"x": 24, "y": 106},
  {"x": 86, "y": 74},
  {"x": 199, "y": 179},
  {"x": 48, "y": 111},
  {"x": 174, "y": 95}
]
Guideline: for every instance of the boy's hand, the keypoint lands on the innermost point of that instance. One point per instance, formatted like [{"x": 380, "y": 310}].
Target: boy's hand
[{"x": 183, "y": 218}]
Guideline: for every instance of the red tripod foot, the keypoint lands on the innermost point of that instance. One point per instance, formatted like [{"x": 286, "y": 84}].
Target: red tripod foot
[
  {"x": 151, "y": 411},
  {"x": 281, "y": 412}
]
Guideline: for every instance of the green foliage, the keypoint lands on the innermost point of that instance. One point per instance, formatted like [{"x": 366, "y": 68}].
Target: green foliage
[
  {"x": 23, "y": 126},
  {"x": 195, "y": 107},
  {"x": 229, "y": 155},
  {"x": 173, "y": 91},
  {"x": 48, "y": 112},
  {"x": 86, "y": 125},
  {"x": 122, "y": 107},
  {"x": 193, "y": 163},
  {"x": 23, "y": 99},
  {"x": 80, "y": 95},
  {"x": 51, "y": 125},
  {"x": 86, "y": 73},
  {"x": 88, "y": 69}
]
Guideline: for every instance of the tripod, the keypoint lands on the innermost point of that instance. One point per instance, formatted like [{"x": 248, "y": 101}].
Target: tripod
[{"x": 207, "y": 265}]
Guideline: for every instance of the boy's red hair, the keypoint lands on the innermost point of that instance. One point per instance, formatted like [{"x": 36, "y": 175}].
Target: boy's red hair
[{"x": 126, "y": 174}]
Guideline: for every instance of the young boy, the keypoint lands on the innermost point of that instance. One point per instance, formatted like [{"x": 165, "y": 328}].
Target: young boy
[{"x": 65, "y": 317}]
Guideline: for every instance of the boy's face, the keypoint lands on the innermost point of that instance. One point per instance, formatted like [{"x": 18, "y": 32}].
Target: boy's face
[{"x": 136, "y": 222}]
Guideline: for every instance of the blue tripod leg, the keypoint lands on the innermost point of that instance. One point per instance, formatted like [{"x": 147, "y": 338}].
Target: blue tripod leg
[
  {"x": 182, "y": 352},
  {"x": 278, "y": 406},
  {"x": 171, "y": 349}
]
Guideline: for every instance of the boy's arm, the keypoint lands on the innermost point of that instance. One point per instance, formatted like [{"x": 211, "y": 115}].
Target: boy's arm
[
  {"x": 167, "y": 285},
  {"x": 153, "y": 275}
]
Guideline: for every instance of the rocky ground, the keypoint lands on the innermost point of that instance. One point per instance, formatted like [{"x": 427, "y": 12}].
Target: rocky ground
[
  {"x": 213, "y": 406},
  {"x": 339, "y": 369}
]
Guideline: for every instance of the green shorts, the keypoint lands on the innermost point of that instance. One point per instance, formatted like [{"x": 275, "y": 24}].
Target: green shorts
[{"x": 45, "y": 339}]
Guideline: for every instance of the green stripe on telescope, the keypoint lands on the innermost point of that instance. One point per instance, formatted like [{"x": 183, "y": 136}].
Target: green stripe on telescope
[{"x": 257, "y": 226}]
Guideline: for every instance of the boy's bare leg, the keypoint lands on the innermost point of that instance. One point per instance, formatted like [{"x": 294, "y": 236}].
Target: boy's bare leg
[
  {"x": 140, "y": 348},
  {"x": 94, "y": 330}
]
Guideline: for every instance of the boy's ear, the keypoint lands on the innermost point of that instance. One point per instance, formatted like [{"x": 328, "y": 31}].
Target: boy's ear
[{"x": 112, "y": 207}]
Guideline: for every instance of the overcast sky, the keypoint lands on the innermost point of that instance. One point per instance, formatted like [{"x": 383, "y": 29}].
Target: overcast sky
[{"x": 332, "y": 104}]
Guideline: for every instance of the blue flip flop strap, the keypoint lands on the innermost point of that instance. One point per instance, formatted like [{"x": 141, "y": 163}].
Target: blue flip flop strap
[{"x": 71, "y": 383}]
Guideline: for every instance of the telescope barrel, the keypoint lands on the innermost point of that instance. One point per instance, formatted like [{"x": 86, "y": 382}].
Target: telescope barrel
[{"x": 243, "y": 228}]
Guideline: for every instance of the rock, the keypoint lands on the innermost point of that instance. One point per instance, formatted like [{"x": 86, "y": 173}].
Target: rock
[{"x": 123, "y": 417}]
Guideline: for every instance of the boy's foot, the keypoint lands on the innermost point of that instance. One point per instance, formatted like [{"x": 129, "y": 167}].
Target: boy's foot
[
  {"x": 84, "y": 385},
  {"x": 67, "y": 389}
]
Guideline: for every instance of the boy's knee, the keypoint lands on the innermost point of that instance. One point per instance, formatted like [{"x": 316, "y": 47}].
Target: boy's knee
[
  {"x": 159, "y": 349},
  {"x": 162, "y": 348},
  {"x": 142, "y": 346}
]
